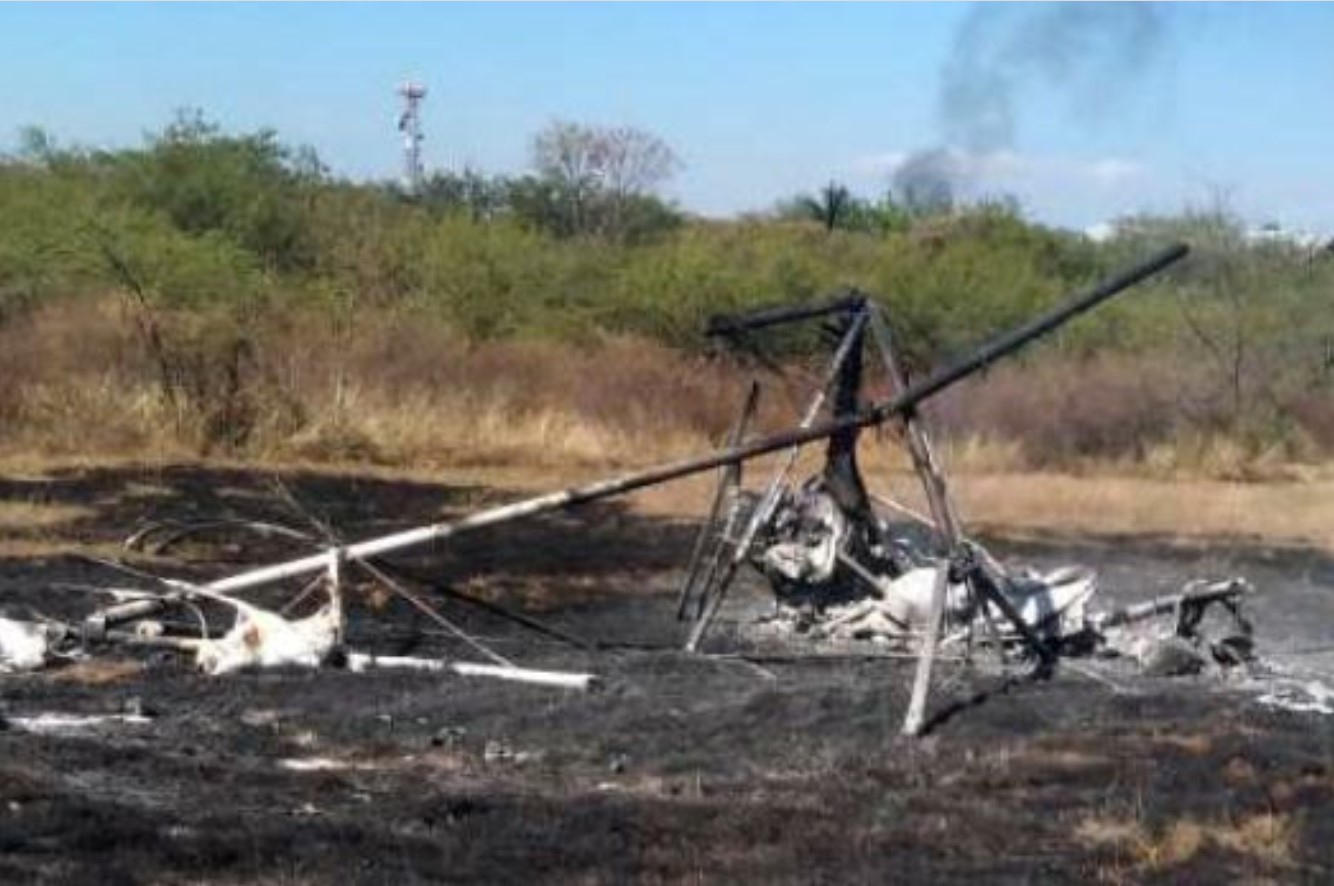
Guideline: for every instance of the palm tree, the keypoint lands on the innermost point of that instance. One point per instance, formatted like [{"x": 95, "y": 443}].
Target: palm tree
[{"x": 830, "y": 206}]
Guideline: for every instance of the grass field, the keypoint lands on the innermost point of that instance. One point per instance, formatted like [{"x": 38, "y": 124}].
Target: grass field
[{"x": 1010, "y": 503}]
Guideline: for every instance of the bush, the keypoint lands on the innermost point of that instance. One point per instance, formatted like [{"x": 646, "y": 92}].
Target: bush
[{"x": 213, "y": 242}]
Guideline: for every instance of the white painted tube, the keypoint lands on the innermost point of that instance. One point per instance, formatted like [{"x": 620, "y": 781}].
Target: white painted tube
[
  {"x": 558, "y": 679},
  {"x": 360, "y": 662}
]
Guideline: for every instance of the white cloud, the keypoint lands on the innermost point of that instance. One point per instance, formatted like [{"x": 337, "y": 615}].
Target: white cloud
[
  {"x": 1103, "y": 230},
  {"x": 880, "y": 165},
  {"x": 1113, "y": 170}
]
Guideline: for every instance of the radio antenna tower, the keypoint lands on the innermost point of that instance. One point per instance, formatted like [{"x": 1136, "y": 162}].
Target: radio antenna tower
[{"x": 410, "y": 124}]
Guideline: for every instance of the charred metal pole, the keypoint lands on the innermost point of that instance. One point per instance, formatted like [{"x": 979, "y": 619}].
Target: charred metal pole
[
  {"x": 1219, "y": 591},
  {"x": 729, "y": 479},
  {"x": 873, "y": 415},
  {"x": 942, "y": 514},
  {"x": 733, "y": 324},
  {"x": 852, "y": 341}
]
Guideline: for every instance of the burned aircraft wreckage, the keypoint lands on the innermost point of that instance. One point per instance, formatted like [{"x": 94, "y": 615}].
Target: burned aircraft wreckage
[{"x": 840, "y": 570}]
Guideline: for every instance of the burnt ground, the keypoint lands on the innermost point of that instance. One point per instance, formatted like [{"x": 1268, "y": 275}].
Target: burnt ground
[{"x": 679, "y": 768}]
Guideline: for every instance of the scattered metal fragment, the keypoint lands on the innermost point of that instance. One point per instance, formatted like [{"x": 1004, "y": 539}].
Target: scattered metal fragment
[
  {"x": 359, "y": 662},
  {"x": 314, "y": 764},
  {"x": 72, "y": 724},
  {"x": 1305, "y": 695},
  {"x": 24, "y": 645},
  {"x": 263, "y": 639}
]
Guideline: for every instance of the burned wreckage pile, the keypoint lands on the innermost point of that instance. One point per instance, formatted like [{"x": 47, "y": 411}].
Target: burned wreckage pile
[{"x": 840, "y": 571}]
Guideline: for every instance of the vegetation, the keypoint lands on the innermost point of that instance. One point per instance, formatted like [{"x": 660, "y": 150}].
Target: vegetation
[{"x": 227, "y": 292}]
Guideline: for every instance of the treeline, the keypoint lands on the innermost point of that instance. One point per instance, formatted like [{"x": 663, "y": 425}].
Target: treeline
[{"x": 209, "y": 237}]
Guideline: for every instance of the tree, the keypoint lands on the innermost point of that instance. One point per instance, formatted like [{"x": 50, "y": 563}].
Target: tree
[
  {"x": 598, "y": 173},
  {"x": 635, "y": 163},
  {"x": 568, "y": 157},
  {"x": 37, "y": 145},
  {"x": 481, "y": 197},
  {"x": 1245, "y": 316},
  {"x": 835, "y": 207},
  {"x": 251, "y": 188},
  {"x": 830, "y": 207}
]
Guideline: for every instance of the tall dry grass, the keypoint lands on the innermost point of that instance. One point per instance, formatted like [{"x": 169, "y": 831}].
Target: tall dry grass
[
  {"x": 1158, "y": 415},
  {"x": 80, "y": 378}
]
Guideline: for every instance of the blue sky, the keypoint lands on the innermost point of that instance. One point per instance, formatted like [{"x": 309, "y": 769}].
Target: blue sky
[{"x": 759, "y": 100}]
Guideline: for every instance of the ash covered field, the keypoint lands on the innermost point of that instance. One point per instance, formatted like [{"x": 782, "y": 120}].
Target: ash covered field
[{"x": 715, "y": 768}]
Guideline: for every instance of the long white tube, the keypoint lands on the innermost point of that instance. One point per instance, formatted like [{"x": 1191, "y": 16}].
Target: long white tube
[{"x": 359, "y": 662}]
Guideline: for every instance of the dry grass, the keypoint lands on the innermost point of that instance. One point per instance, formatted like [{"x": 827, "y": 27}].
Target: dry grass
[
  {"x": 1196, "y": 744},
  {"x": 1265, "y": 838},
  {"x": 33, "y": 516},
  {"x": 1015, "y": 503},
  {"x": 1049, "y": 504},
  {"x": 401, "y": 391},
  {"x": 56, "y": 546},
  {"x": 402, "y": 395},
  {"x": 1158, "y": 413},
  {"x": 464, "y": 431},
  {"x": 34, "y": 528},
  {"x": 97, "y": 673},
  {"x": 1295, "y": 513},
  {"x": 395, "y": 388}
]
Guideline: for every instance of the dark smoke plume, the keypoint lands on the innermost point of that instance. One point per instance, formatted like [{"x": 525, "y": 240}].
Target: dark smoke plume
[
  {"x": 926, "y": 180},
  {"x": 1091, "y": 53}
]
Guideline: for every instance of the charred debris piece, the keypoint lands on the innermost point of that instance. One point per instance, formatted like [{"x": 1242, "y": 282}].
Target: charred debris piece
[{"x": 838, "y": 568}]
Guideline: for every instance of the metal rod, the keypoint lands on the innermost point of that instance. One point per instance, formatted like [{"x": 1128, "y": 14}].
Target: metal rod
[
  {"x": 946, "y": 519},
  {"x": 496, "y": 609},
  {"x": 769, "y": 501},
  {"x": 727, "y": 478},
  {"x": 1209, "y": 593},
  {"x": 873, "y": 415},
  {"x": 731, "y": 324},
  {"x": 427, "y": 610}
]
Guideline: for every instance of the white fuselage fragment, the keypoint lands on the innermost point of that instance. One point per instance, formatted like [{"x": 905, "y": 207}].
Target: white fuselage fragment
[
  {"x": 73, "y": 724},
  {"x": 1053, "y": 604},
  {"x": 263, "y": 639},
  {"x": 24, "y": 646}
]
